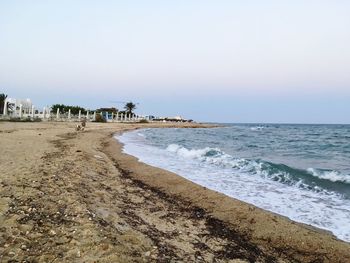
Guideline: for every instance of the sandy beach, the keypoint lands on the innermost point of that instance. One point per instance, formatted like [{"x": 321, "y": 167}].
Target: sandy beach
[{"x": 68, "y": 196}]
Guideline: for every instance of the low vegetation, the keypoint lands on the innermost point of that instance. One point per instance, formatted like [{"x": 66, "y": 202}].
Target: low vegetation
[
  {"x": 17, "y": 119},
  {"x": 99, "y": 118},
  {"x": 143, "y": 121}
]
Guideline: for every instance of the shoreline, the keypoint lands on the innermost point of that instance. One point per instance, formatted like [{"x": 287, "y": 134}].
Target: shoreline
[
  {"x": 75, "y": 196},
  {"x": 305, "y": 224},
  {"x": 292, "y": 236}
]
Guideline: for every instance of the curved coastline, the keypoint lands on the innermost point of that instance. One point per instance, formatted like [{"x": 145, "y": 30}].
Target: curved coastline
[
  {"x": 271, "y": 232},
  {"x": 75, "y": 196}
]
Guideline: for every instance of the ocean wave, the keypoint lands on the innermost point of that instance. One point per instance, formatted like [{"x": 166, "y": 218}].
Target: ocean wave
[
  {"x": 194, "y": 153},
  {"x": 321, "y": 200},
  {"x": 333, "y": 176},
  {"x": 313, "y": 196},
  {"x": 276, "y": 172}
]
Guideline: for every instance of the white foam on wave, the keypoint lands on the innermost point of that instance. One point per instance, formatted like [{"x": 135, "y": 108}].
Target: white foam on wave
[
  {"x": 237, "y": 177},
  {"x": 194, "y": 153},
  {"x": 181, "y": 151},
  {"x": 217, "y": 157},
  {"x": 333, "y": 176}
]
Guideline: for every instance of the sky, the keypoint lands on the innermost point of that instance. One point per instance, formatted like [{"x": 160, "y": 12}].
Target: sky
[{"x": 284, "y": 61}]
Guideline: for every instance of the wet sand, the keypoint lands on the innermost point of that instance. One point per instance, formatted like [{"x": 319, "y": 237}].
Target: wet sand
[{"x": 69, "y": 196}]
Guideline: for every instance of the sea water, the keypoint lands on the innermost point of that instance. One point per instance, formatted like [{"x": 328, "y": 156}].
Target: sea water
[{"x": 299, "y": 171}]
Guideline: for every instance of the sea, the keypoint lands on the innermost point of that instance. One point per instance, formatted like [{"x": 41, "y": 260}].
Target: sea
[{"x": 299, "y": 171}]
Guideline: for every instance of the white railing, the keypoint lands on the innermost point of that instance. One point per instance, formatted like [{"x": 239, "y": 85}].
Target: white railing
[{"x": 48, "y": 115}]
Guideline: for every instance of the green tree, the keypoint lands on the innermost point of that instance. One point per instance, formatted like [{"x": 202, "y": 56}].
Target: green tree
[
  {"x": 2, "y": 102},
  {"x": 129, "y": 107},
  {"x": 65, "y": 108}
]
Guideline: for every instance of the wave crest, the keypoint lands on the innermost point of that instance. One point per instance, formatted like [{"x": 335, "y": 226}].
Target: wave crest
[
  {"x": 333, "y": 176},
  {"x": 272, "y": 171},
  {"x": 194, "y": 153}
]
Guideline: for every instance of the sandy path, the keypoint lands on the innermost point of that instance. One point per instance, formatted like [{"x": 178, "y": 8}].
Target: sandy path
[{"x": 68, "y": 198}]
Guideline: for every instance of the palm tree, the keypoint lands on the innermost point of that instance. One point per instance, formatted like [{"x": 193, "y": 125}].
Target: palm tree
[
  {"x": 2, "y": 102},
  {"x": 129, "y": 107}
]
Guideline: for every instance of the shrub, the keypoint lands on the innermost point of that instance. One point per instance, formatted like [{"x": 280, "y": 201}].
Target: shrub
[{"x": 99, "y": 118}]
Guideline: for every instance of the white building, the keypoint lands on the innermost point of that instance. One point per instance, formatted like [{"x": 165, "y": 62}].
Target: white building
[{"x": 18, "y": 107}]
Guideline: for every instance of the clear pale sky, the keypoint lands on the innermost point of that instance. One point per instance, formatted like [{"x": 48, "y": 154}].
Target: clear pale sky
[{"x": 226, "y": 61}]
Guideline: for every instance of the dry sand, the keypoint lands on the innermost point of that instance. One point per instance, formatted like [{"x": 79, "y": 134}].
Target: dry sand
[{"x": 69, "y": 196}]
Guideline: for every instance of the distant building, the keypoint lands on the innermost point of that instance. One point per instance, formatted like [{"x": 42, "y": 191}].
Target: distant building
[
  {"x": 17, "y": 107},
  {"x": 172, "y": 119},
  {"x": 149, "y": 117}
]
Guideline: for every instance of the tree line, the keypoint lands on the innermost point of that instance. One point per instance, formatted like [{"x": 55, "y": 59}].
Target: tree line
[
  {"x": 129, "y": 108},
  {"x": 65, "y": 108}
]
